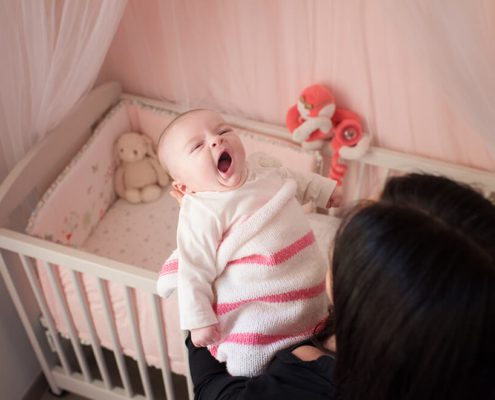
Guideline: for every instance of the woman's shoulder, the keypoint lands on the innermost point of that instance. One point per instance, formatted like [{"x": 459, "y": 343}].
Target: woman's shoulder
[
  {"x": 308, "y": 353},
  {"x": 302, "y": 371},
  {"x": 305, "y": 352}
]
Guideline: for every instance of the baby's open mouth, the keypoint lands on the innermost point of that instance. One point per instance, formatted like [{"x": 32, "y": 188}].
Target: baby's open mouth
[{"x": 224, "y": 162}]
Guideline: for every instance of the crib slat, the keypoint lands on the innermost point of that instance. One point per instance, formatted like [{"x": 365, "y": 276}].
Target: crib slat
[
  {"x": 162, "y": 346},
  {"x": 143, "y": 370},
  {"x": 68, "y": 321},
  {"x": 12, "y": 289},
  {"x": 190, "y": 386},
  {"x": 386, "y": 173},
  {"x": 95, "y": 343},
  {"x": 360, "y": 180},
  {"x": 40, "y": 298},
  {"x": 487, "y": 192},
  {"x": 117, "y": 349}
]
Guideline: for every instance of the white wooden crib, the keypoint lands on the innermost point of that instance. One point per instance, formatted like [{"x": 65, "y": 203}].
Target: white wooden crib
[{"x": 85, "y": 369}]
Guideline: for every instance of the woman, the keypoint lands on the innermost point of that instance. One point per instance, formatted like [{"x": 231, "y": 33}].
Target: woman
[{"x": 414, "y": 306}]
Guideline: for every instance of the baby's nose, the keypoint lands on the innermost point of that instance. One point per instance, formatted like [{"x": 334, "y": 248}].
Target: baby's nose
[{"x": 216, "y": 140}]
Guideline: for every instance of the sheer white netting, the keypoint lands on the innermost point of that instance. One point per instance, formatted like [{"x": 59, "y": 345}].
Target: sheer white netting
[
  {"x": 51, "y": 54},
  {"x": 418, "y": 72},
  {"x": 458, "y": 38}
]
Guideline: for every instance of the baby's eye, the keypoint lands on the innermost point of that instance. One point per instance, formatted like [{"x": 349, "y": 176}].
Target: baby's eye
[
  {"x": 224, "y": 132},
  {"x": 196, "y": 146}
]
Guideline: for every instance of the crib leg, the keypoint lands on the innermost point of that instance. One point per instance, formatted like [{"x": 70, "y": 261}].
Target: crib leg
[{"x": 61, "y": 393}]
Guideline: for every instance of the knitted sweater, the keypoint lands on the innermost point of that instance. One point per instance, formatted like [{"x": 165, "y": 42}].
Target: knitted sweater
[{"x": 266, "y": 286}]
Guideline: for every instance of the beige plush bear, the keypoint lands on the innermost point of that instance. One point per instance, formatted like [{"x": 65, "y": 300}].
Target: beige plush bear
[{"x": 138, "y": 177}]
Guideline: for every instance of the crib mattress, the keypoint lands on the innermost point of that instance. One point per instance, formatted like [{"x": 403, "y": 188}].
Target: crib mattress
[{"x": 142, "y": 235}]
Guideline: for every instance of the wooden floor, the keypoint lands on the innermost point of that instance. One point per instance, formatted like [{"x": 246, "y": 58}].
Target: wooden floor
[
  {"x": 180, "y": 394},
  {"x": 66, "y": 396},
  {"x": 179, "y": 385},
  {"x": 155, "y": 376}
]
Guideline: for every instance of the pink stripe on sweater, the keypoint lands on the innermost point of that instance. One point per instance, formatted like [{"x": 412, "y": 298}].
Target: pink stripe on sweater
[
  {"x": 307, "y": 293},
  {"x": 253, "y": 339},
  {"x": 213, "y": 350},
  {"x": 280, "y": 256},
  {"x": 170, "y": 267}
]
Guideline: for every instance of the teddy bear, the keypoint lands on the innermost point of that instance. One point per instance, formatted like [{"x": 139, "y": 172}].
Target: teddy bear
[{"x": 138, "y": 176}]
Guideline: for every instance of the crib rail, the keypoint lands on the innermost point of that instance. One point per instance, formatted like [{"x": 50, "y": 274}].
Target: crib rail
[
  {"x": 71, "y": 370},
  {"x": 369, "y": 173}
]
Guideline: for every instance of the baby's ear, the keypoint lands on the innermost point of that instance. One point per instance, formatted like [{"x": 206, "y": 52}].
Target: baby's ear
[{"x": 179, "y": 187}]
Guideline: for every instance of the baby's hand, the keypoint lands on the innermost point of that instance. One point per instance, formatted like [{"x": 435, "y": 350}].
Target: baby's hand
[
  {"x": 202, "y": 337},
  {"x": 335, "y": 199}
]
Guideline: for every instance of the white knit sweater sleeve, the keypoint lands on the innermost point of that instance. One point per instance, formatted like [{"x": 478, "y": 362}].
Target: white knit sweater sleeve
[
  {"x": 198, "y": 235},
  {"x": 310, "y": 186}
]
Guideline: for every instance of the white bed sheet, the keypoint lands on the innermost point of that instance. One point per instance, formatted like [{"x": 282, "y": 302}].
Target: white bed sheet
[{"x": 138, "y": 234}]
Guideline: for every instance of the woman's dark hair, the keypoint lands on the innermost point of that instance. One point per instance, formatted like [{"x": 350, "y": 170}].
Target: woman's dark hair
[{"x": 414, "y": 294}]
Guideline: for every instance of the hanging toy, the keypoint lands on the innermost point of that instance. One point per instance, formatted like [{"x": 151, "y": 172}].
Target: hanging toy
[
  {"x": 347, "y": 134},
  {"x": 315, "y": 119},
  {"x": 309, "y": 120}
]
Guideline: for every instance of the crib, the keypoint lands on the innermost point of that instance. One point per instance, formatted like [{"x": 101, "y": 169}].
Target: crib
[{"x": 91, "y": 311}]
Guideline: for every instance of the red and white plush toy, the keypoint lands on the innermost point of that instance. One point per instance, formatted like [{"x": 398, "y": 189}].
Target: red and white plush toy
[
  {"x": 316, "y": 119},
  {"x": 310, "y": 120}
]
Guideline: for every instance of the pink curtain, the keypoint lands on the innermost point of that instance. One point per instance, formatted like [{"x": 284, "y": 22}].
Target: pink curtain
[{"x": 420, "y": 84}]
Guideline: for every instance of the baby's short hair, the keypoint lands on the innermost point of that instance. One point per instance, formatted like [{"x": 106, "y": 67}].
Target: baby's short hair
[
  {"x": 164, "y": 133},
  {"x": 174, "y": 120}
]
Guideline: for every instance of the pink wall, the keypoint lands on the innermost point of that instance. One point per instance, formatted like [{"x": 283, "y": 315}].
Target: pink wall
[{"x": 252, "y": 58}]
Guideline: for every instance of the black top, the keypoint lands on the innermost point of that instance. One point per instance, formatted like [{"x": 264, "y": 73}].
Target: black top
[{"x": 287, "y": 377}]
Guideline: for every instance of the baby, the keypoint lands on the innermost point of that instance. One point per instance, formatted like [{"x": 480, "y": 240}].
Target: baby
[{"x": 249, "y": 276}]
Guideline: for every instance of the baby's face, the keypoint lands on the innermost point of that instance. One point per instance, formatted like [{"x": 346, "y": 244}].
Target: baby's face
[{"x": 203, "y": 153}]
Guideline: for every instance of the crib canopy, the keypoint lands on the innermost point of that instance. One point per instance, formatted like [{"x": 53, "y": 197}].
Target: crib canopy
[{"x": 419, "y": 74}]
